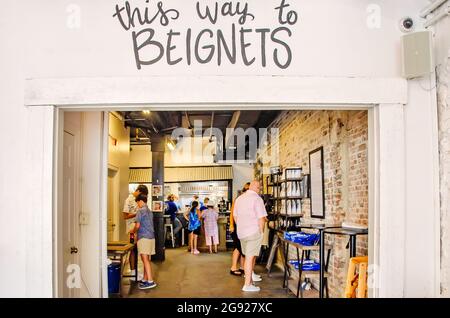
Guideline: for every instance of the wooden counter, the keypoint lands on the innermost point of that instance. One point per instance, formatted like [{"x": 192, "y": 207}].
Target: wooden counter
[{"x": 120, "y": 251}]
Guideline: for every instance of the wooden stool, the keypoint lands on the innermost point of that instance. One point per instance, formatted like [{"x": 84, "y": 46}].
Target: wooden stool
[{"x": 357, "y": 279}]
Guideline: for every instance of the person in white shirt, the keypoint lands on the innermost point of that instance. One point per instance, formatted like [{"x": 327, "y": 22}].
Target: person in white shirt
[
  {"x": 129, "y": 214},
  {"x": 250, "y": 215}
]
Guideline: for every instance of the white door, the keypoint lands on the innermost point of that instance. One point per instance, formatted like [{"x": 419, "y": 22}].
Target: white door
[
  {"x": 70, "y": 233},
  {"x": 84, "y": 198}
]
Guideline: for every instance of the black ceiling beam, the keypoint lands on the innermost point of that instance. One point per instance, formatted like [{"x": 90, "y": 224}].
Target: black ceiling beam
[{"x": 266, "y": 118}]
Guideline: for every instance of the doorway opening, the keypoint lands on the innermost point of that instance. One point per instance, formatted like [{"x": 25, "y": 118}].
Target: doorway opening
[{"x": 115, "y": 155}]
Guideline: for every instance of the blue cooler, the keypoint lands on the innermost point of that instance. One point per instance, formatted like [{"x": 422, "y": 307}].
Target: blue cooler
[
  {"x": 306, "y": 239},
  {"x": 113, "y": 278},
  {"x": 308, "y": 265},
  {"x": 289, "y": 235}
]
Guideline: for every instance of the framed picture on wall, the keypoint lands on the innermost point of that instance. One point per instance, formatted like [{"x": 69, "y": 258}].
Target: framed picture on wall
[
  {"x": 157, "y": 191},
  {"x": 317, "y": 184},
  {"x": 157, "y": 206}
]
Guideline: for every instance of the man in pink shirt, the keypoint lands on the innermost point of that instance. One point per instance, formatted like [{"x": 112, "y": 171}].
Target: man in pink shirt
[{"x": 250, "y": 216}]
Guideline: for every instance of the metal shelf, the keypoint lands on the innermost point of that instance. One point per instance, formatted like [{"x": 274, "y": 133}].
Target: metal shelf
[
  {"x": 283, "y": 181},
  {"x": 291, "y": 198},
  {"x": 274, "y": 184},
  {"x": 290, "y": 215}
]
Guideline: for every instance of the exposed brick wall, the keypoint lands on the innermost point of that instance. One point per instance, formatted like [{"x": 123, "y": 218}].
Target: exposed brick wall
[
  {"x": 444, "y": 150},
  {"x": 441, "y": 37},
  {"x": 343, "y": 135}
]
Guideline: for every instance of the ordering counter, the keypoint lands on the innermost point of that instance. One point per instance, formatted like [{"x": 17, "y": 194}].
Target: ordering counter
[{"x": 223, "y": 225}]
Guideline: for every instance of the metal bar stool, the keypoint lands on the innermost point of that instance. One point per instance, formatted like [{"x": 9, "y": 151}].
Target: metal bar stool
[{"x": 168, "y": 224}]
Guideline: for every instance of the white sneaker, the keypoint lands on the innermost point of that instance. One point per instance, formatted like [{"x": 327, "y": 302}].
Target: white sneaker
[
  {"x": 256, "y": 277},
  {"x": 251, "y": 288}
]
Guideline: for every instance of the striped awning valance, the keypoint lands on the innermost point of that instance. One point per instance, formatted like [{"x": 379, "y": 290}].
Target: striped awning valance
[{"x": 183, "y": 174}]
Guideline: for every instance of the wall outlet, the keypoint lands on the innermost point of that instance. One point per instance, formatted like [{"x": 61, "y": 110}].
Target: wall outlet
[{"x": 84, "y": 219}]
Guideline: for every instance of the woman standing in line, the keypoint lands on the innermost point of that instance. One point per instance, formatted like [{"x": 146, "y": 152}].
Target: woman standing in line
[
  {"x": 237, "y": 259},
  {"x": 194, "y": 227},
  {"x": 210, "y": 217}
]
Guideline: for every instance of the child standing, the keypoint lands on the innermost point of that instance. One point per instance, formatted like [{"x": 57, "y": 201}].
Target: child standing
[
  {"x": 210, "y": 217},
  {"x": 194, "y": 227},
  {"x": 146, "y": 239}
]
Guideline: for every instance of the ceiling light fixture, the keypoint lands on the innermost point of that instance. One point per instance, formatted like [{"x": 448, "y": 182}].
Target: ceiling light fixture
[{"x": 146, "y": 112}]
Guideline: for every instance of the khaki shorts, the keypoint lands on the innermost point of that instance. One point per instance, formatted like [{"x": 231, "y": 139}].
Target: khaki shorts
[
  {"x": 251, "y": 246},
  {"x": 146, "y": 246}
]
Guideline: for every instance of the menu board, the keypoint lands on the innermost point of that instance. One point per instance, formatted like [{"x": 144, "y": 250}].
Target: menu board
[{"x": 317, "y": 183}]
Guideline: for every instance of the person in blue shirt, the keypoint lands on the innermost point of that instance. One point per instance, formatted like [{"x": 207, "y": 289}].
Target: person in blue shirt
[
  {"x": 194, "y": 227},
  {"x": 204, "y": 207},
  {"x": 145, "y": 239},
  {"x": 172, "y": 210},
  {"x": 196, "y": 199},
  {"x": 176, "y": 200}
]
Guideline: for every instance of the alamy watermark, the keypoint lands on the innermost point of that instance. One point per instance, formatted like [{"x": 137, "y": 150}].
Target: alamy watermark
[
  {"x": 373, "y": 20},
  {"x": 235, "y": 145},
  {"x": 74, "y": 276},
  {"x": 73, "y": 20}
]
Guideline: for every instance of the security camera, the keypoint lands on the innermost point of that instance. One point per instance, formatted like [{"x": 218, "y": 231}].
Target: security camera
[{"x": 407, "y": 25}]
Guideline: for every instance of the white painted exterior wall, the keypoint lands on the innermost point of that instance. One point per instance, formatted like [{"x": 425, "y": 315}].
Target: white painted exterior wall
[{"x": 331, "y": 41}]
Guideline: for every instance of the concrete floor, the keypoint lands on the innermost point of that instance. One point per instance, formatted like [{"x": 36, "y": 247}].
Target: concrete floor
[{"x": 184, "y": 275}]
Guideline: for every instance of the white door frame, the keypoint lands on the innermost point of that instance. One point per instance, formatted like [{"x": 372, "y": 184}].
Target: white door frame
[{"x": 383, "y": 97}]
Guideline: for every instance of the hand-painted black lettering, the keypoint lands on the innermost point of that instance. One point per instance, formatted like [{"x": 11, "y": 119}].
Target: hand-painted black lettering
[
  {"x": 148, "y": 41},
  {"x": 205, "y": 47},
  {"x": 231, "y": 54},
  {"x": 285, "y": 45},
  {"x": 245, "y": 45},
  {"x": 171, "y": 47}
]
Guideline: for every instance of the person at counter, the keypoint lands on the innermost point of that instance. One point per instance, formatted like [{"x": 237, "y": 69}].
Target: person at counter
[
  {"x": 210, "y": 217},
  {"x": 194, "y": 227},
  {"x": 146, "y": 240},
  {"x": 129, "y": 214},
  {"x": 204, "y": 206},
  {"x": 176, "y": 200},
  {"x": 250, "y": 216},
  {"x": 172, "y": 210},
  {"x": 195, "y": 198}
]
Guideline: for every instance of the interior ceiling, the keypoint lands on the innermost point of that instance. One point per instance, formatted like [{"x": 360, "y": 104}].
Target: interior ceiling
[{"x": 144, "y": 124}]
